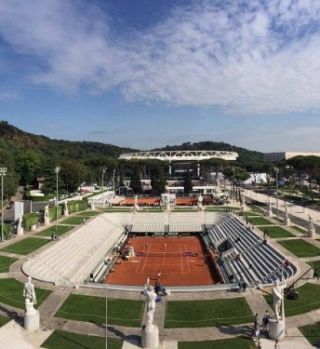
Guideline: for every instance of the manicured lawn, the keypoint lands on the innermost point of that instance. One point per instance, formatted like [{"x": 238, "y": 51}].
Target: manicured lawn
[
  {"x": 277, "y": 232},
  {"x": 88, "y": 213},
  {"x": 5, "y": 263},
  {"x": 260, "y": 221},
  {"x": 58, "y": 230},
  {"x": 73, "y": 220},
  {"x": 67, "y": 340},
  {"x": 92, "y": 309},
  {"x": 315, "y": 265},
  {"x": 220, "y": 209},
  {"x": 3, "y": 320},
  {"x": 300, "y": 248},
  {"x": 299, "y": 229},
  {"x": 207, "y": 313},
  {"x": 312, "y": 333},
  {"x": 233, "y": 343},
  {"x": 11, "y": 293},
  {"x": 26, "y": 246},
  {"x": 248, "y": 214},
  {"x": 117, "y": 209},
  {"x": 309, "y": 300}
]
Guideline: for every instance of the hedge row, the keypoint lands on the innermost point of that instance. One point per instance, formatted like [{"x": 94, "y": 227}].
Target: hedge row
[
  {"x": 30, "y": 219},
  {"x": 79, "y": 205}
]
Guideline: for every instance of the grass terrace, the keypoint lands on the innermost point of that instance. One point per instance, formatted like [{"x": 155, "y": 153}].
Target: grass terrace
[
  {"x": 5, "y": 263},
  {"x": 75, "y": 220},
  {"x": 260, "y": 221},
  {"x": 3, "y": 320},
  {"x": 11, "y": 293},
  {"x": 315, "y": 265},
  {"x": 88, "y": 213},
  {"x": 116, "y": 209},
  {"x": 309, "y": 300},
  {"x": 206, "y": 313},
  {"x": 299, "y": 229},
  {"x": 26, "y": 246},
  {"x": 58, "y": 230},
  {"x": 233, "y": 343},
  {"x": 220, "y": 208},
  {"x": 277, "y": 232},
  {"x": 312, "y": 333},
  {"x": 300, "y": 248},
  {"x": 67, "y": 340},
  {"x": 92, "y": 309}
]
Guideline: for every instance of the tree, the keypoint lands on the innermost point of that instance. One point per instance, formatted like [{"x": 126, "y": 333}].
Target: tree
[
  {"x": 307, "y": 165},
  {"x": 28, "y": 164},
  {"x": 136, "y": 181},
  {"x": 158, "y": 181},
  {"x": 72, "y": 174},
  {"x": 11, "y": 179},
  {"x": 187, "y": 186}
]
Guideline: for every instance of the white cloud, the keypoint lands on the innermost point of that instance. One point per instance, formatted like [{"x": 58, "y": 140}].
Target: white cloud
[{"x": 259, "y": 57}]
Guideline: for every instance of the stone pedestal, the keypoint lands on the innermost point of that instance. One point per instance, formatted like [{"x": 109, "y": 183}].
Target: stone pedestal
[
  {"x": 46, "y": 221},
  {"x": 287, "y": 220},
  {"x": 276, "y": 329},
  {"x": 33, "y": 227},
  {"x": 150, "y": 337},
  {"x": 20, "y": 231},
  {"x": 32, "y": 320}
]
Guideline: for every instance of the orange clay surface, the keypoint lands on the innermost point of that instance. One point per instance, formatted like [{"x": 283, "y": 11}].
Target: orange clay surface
[
  {"x": 141, "y": 201},
  {"x": 186, "y": 201},
  {"x": 177, "y": 270}
]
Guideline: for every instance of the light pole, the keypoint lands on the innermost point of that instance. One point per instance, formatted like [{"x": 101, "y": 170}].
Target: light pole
[
  {"x": 104, "y": 170},
  {"x": 277, "y": 201},
  {"x": 106, "y": 289},
  {"x": 57, "y": 170},
  {"x": 3, "y": 171}
]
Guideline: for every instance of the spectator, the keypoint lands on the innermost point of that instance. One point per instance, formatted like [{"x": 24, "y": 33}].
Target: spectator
[
  {"x": 276, "y": 345},
  {"x": 316, "y": 273}
]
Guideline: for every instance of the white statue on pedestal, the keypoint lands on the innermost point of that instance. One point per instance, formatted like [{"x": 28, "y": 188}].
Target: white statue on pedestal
[
  {"x": 150, "y": 333},
  {"x": 19, "y": 227},
  {"x": 65, "y": 208},
  {"x": 286, "y": 215},
  {"x": 92, "y": 205},
  {"x": 135, "y": 204},
  {"x": 199, "y": 204},
  {"x": 46, "y": 215},
  {"x": 32, "y": 317},
  {"x": 311, "y": 228},
  {"x": 269, "y": 209},
  {"x": 277, "y": 324}
]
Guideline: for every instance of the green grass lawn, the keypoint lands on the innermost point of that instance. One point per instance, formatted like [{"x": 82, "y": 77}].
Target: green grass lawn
[
  {"x": 260, "y": 221},
  {"x": 312, "y": 333},
  {"x": 26, "y": 246},
  {"x": 300, "y": 248},
  {"x": 277, "y": 232},
  {"x": 5, "y": 263},
  {"x": 11, "y": 293},
  {"x": 75, "y": 220},
  {"x": 248, "y": 214},
  {"x": 116, "y": 209},
  {"x": 92, "y": 309},
  {"x": 207, "y": 313},
  {"x": 58, "y": 230},
  {"x": 309, "y": 300},
  {"x": 315, "y": 265},
  {"x": 299, "y": 229},
  {"x": 3, "y": 320},
  {"x": 220, "y": 209},
  {"x": 88, "y": 213},
  {"x": 67, "y": 340},
  {"x": 233, "y": 343}
]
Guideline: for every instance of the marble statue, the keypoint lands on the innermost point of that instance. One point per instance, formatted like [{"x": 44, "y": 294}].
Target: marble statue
[
  {"x": 200, "y": 201},
  {"x": 32, "y": 316},
  {"x": 286, "y": 214},
  {"x": 150, "y": 332},
  {"x": 20, "y": 227},
  {"x": 269, "y": 209},
  {"x": 92, "y": 205},
  {"x": 135, "y": 204},
  {"x": 277, "y": 298},
  {"x": 65, "y": 208},
  {"x": 277, "y": 327},
  {"x": 311, "y": 228},
  {"x": 46, "y": 215}
]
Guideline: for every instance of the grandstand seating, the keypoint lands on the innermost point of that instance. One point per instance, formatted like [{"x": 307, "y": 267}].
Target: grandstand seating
[
  {"x": 259, "y": 263},
  {"x": 72, "y": 258}
]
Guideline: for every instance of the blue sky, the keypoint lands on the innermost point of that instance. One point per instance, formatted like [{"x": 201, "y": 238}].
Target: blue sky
[{"x": 149, "y": 73}]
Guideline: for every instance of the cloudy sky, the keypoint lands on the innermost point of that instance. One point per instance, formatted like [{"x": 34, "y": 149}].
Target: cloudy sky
[{"x": 147, "y": 73}]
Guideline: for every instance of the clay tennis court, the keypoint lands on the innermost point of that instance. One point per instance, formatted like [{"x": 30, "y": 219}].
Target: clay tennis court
[{"x": 182, "y": 261}]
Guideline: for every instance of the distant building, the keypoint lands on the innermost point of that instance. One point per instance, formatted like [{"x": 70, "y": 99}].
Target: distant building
[{"x": 287, "y": 155}]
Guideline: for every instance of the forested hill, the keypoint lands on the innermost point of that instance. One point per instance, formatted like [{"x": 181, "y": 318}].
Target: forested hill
[
  {"x": 246, "y": 156},
  {"x": 14, "y": 139}
]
